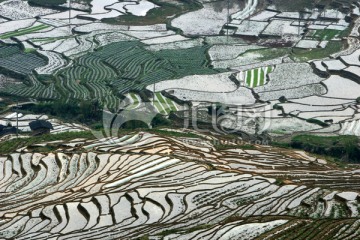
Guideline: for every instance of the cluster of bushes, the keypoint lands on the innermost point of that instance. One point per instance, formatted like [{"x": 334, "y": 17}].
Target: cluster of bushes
[
  {"x": 345, "y": 148},
  {"x": 47, "y": 3},
  {"x": 86, "y": 112}
]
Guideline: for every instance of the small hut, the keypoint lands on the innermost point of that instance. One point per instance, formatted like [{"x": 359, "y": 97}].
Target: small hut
[
  {"x": 7, "y": 130},
  {"x": 40, "y": 127}
]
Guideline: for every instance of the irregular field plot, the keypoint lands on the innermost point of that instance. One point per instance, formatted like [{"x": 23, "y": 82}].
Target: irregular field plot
[
  {"x": 164, "y": 105},
  {"x": 324, "y": 34},
  {"x": 257, "y": 77},
  {"x": 12, "y": 58}
]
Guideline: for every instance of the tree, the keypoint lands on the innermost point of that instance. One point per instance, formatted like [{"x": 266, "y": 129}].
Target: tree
[
  {"x": 282, "y": 99},
  {"x": 358, "y": 100}
]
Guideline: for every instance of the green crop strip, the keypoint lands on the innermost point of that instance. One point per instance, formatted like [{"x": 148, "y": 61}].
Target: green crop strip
[
  {"x": 255, "y": 73},
  {"x": 262, "y": 77},
  {"x": 23, "y": 31}
]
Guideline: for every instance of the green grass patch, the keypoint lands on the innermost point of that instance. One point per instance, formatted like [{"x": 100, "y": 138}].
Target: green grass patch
[
  {"x": 165, "y": 102},
  {"x": 255, "y": 73},
  {"x": 160, "y": 98},
  {"x": 325, "y": 34},
  {"x": 159, "y": 107},
  {"x": 29, "y": 50},
  {"x": 259, "y": 75},
  {"x": 171, "y": 104},
  {"x": 262, "y": 78},
  {"x": 23, "y": 31},
  {"x": 248, "y": 78},
  {"x": 303, "y": 55}
]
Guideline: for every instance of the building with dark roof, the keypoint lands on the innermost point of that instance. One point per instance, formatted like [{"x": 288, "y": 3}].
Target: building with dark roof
[
  {"x": 7, "y": 130},
  {"x": 40, "y": 127}
]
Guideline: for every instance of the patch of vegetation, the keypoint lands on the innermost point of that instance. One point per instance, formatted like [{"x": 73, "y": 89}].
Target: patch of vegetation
[
  {"x": 118, "y": 68},
  {"x": 325, "y": 34},
  {"x": 52, "y": 39},
  {"x": 173, "y": 133},
  {"x": 272, "y": 53},
  {"x": 134, "y": 124},
  {"x": 47, "y": 3},
  {"x": 279, "y": 182},
  {"x": 160, "y": 121},
  {"x": 23, "y": 31},
  {"x": 232, "y": 218},
  {"x": 86, "y": 112},
  {"x": 318, "y": 122},
  {"x": 14, "y": 144},
  {"x": 200, "y": 227},
  {"x": 29, "y": 50},
  {"x": 345, "y": 148},
  {"x": 282, "y": 99},
  {"x": 295, "y": 5},
  {"x": 16, "y": 63},
  {"x": 217, "y": 109},
  {"x": 222, "y": 147},
  {"x": 145, "y": 237},
  {"x": 303, "y": 55},
  {"x": 358, "y": 100},
  {"x": 196, "y": 228}
]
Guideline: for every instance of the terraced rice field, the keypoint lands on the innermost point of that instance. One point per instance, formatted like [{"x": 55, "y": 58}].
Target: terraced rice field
[
  {"x": 134, "y": 99},
  {"x": 167, "y": 183},
  {"x": 121, "y": 67},
  {"x": 12, "y": 58},
  {"x": 256, "y": 77},
  {"x": 164, "y": 105},
  {"x": 143, "y": 184},
  {"x": 112, "y": 70}
]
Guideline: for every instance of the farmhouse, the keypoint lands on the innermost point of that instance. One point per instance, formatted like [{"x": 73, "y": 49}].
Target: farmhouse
[
  {"x": 40, "y": 127},
  {"x": 7, "y": 130}
]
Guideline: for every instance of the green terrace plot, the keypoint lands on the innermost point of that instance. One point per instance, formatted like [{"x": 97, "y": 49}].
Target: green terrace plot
[
  {"x": 257, "y": 77},
  {"x": 23, "y": 31},
  {"x": 121, "y": 67},
  {"x": 32, "y": 89},
  {"x": 107, "y": 73},
  {"x": 164, "y": 105},
  {"x": 324, "y": 34},
  {"x": 15, "y": 60},
  {"x": 135, "y": 101}
]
